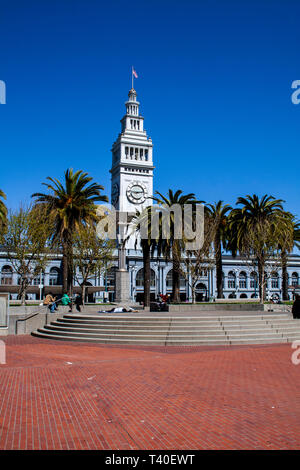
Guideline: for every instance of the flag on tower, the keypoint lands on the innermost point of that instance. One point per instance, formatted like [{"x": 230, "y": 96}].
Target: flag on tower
[{"x": 134, "y": 73}]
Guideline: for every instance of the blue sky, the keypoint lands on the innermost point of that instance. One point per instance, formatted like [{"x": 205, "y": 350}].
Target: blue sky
[{"x": 214, "y": 85}]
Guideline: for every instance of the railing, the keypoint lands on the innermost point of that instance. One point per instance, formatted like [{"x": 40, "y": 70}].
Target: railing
[
  {"x": 31, "y": 316},
  {"x": 4, "y": 310}
]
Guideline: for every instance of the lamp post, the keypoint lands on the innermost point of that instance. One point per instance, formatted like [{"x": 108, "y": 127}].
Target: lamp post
[
  {"x": 105, "y": 292},
  {"x": 132, "y": 270},
  {"x": 41, "y": 286},
  {"x": 236, "y": 282}
]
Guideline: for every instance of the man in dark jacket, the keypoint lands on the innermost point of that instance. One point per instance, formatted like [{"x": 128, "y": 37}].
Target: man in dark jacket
[
  {"x": 296, "y": 307},
  {"x": 78, "y": 302}
]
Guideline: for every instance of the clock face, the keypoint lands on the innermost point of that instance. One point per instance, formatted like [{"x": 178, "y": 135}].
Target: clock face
[
  {"x": 136, "y": 192},
  {"x": 115, "y": 194}
]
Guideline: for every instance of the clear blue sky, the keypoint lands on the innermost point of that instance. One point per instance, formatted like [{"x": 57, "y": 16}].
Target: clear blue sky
[{"x": 214, "y": 85}]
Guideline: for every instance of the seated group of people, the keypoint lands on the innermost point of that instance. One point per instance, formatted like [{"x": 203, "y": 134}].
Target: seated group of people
[
  {"x": 164, "y": 298},
  {"x": 52, "y": 302}
]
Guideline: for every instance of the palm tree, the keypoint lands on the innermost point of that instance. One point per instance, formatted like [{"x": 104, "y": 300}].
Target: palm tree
[
  {"x": 3, "y": 211},
  {"x": 217, "y": 212},
  {"x": 69, "y": 206},
  {"x": 289, "y": 236},
  {"x": 174, "y": 245},
  {"x": 141, "y": 224},
  {"x": 253, "y": 227}
]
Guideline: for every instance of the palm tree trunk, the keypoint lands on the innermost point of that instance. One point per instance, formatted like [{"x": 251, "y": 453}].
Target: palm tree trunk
[
  {"x": 65, "y": 267},
  {"x": 176, "y": 274},
  {"x": 68, "y": 263},
  {"x": 219, "y": 266},
  {"x": 261, "y": 281},
  {"x": 147, "y": 273},
  {"x": 285, "y": 277}
]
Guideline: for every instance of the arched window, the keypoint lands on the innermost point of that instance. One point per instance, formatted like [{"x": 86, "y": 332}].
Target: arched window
[
  {"x": 253, "y": 280},
  {"x": 243, "y": 280},
  {"x": 274, "y": 281},
  {"x": 54, "y": 276},
  {"x": 243, "y": 296},
  {"x": 266, "y": 280},
  {"x": 201, "y": 287},
  {"x": 139, "y": 280},
  {"x": 169, "y": 280},
  {"x": 40, "y": 279},
  {"x": 295, "y": 279},
  {"x": 231, "y": 280},
  {"x": 6, "y": 276}
]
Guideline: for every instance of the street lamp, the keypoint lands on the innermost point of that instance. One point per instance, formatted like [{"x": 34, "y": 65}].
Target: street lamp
[
  {"x": 132, "y": 269},
  {"x": 236, "y": 282}
]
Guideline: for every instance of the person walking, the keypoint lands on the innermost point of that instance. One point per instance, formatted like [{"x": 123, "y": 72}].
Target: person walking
[{"x": 296, "y": 307}]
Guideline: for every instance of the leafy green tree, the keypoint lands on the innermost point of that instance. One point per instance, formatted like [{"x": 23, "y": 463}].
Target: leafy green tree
[
  {"x": 26, "y": 243},
  {"x": 196, "y": 262},
  {"x": 69, "y": 206},
  {"x": 92, "y": 255},
  {"x": 254, "y": 227},
  {"x": 288, "y": 237}
]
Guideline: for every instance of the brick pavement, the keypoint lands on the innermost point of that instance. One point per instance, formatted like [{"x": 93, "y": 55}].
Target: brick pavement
[{"x": 63, "y": 395}]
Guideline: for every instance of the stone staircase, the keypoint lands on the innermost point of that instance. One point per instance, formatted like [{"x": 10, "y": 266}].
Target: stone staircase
[{"x": 173, "y": 330}]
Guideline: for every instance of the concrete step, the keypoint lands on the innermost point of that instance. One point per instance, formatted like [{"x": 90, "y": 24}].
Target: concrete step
[
  {"x": 139, "y": 335},
  {"x": 130, "y": 341},
  {"x": 168, "y": 317},
  {"x": 152, "y": 342},
  {"x": 140, "y": 323},
  {"x": 169, "y": 330},
  {"x": 242, "y": 341},
  {"x": 284, "y": 322},
  {"x": 136, "y": 327}
]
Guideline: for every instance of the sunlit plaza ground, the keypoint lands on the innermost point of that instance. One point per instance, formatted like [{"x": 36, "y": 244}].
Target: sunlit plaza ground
[{"x": 63, "y": 395}]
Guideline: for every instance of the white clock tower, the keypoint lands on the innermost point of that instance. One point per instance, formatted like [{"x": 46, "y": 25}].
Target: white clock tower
[{"x": 132, "y": 165}]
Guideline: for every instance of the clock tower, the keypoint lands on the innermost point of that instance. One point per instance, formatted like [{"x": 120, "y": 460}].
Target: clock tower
[{"x": 132, "y": 165}]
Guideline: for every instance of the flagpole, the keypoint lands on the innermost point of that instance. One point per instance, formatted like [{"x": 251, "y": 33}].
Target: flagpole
[{"x": 132, "y": 76}]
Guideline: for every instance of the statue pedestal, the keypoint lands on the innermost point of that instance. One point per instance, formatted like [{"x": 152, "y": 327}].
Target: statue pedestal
[{"x": 122, "y": 286}]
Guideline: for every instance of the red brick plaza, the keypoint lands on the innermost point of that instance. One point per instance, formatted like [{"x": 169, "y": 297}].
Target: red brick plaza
[{"x": 63, "y": 395}]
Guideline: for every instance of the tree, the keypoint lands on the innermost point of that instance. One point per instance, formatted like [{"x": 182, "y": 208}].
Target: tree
[
  {"x": 288, "y": 237},
  {"x": 26, "y": 242},
  {"x": 92, "y": 255},
  {"x": 173, "y": 245},
  {"x": 254, "y": 226},
  {"x": 69, "y": 206},
  {"x": 195, "y": 262},
  {"x": 217, "y": 212},
  {"x": 141, "y": 225},
  {"x": 3, "y": 212}
]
